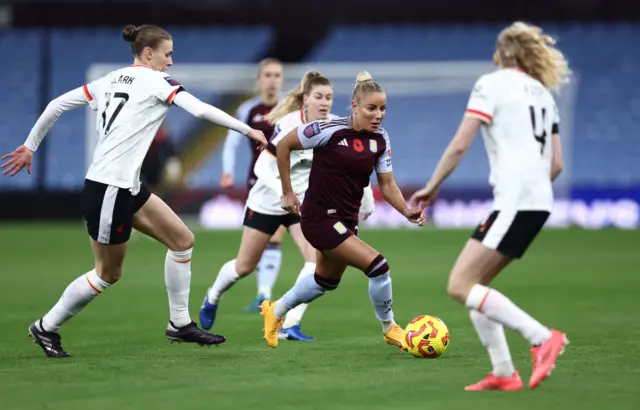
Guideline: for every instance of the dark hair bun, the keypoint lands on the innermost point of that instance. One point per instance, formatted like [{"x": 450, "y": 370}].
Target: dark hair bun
[{"x": 129, "y": 33}]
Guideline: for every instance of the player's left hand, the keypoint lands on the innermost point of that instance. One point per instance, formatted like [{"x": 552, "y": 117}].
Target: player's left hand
[
  {"x": 290, "y": 203},
  {"x": 258, "y": 136},
  {"x": 16, "y": 160},
  {"x": 415, "y": 215}
]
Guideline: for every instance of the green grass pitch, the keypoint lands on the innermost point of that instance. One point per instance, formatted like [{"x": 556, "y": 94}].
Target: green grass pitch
[{"x": 583, "y": 282}]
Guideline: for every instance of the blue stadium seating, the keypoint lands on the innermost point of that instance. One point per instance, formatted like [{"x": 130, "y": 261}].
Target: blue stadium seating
[
  {"x": 606, "y": 117},
  {"x": 73, "y": 51},
  {"x": 20, "y": 88}
]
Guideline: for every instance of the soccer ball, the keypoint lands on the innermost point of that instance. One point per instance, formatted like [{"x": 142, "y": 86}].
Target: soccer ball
[{"x": 427, "y": 336}]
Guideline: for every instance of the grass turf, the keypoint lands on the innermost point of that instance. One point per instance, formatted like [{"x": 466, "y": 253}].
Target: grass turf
[{"x": 582, "y": 282}]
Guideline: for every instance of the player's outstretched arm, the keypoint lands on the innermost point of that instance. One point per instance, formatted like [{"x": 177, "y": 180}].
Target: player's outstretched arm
[
  {"x": 22, "y": 157},
  {"x": 212, "y": 114},
  {"x": 392, "y": 194},
  {"x": 449, "y": 161},
  {"x": 289, "y": 143}
]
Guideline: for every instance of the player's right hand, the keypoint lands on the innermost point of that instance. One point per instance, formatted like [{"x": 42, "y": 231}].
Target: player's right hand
[
  {"x": 289, "y": 203},
  {"x": 258, "y": 136},
  {"x": 424, "y": 197},
  {"x": 20, "y": 158},
  {"x": 226, "y": 180}
]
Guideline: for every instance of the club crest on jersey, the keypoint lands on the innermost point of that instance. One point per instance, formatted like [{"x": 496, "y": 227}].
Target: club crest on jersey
[
  {"x": 172, "y": 82},
  {"x": 340, "y": 228},
  {"x": 311, "y": 130},
  {"x": 373, "y": 145}
]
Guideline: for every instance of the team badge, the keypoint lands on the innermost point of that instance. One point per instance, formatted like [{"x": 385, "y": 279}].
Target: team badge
[
  {"x": 340, "y": 228},
  {"x": 311, "y": 130},
  {"x": 373, "y": 145}
]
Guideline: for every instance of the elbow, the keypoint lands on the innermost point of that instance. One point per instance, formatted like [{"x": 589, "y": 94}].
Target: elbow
[
  {"x": 556, "y": 165},
  {"x": 55, "y": 106},
  {"x": 556, "y": 169},
  {"x": 199, "y": 112},
  {"x": 458, "y": 150}
]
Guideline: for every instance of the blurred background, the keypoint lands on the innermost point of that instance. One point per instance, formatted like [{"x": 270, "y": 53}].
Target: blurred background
[{"x": 427, "y": 55}]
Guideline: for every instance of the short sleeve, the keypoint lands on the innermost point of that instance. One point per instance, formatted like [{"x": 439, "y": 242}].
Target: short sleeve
[
  {"x": 165, "y": 88},
  {"x": 481, "y": 102},
  {"x": 383, "y": 162},
  {"x": 555, "y": 126},
  {"x": 316, "y": 134},
  {"x": 91, "y": 91}
]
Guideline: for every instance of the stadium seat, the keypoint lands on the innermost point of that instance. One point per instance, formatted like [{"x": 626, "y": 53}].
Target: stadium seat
[
  {"x": 606, "y": 114},
  {"x": 21, "y": 87}
]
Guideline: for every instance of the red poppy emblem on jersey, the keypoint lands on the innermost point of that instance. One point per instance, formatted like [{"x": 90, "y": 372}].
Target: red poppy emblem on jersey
[
  {"x": 357, "y": 145},
  {"x": 311, "y": 130}
]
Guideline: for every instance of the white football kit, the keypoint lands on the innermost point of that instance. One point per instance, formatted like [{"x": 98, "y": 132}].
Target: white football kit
[
  {"x": 265, "y": 196},
  {"x": 130, "y": 105},
  {"x": 519, "y": 118}
]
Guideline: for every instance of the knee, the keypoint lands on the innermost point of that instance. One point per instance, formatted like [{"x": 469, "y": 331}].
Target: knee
[
  {"x": 244, "y": 267},
  {"x": 184, "y": 241},
  {"x": 326, "y": 283},
  {"x": 377, "y": 267},
  {"x": 109, "y": 274},
  {"x": 459, "y": 289}
]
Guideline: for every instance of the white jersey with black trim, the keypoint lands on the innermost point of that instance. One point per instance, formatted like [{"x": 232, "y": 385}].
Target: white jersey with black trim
[
  {"x": 131, "y": 104},
  {"x": 265, "y": 195},
  {"x": 519, "y": 116}
]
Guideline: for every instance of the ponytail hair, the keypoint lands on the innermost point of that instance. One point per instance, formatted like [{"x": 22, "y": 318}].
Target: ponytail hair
[
  {"x": 532, "y": 50},
  {"x": 293, "y": 100},
  {"x": 365, "y": 85},
  {"x": 144, "y": 36}
]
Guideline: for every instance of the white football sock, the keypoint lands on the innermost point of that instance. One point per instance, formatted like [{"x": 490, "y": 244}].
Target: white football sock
[
  {"x": 492, "y": 336},
  {"x": 74, "y": 298},
  {"x": 382, "y": 299},
  {"x": 305, "y": 290},
  {"x": 177, "y": 278},
  {"x": 294, "y": 316},
  {"x": 268, "y": 269},
  {"x": 227, "y": 277},
  {"x": 499, "y": 308}
]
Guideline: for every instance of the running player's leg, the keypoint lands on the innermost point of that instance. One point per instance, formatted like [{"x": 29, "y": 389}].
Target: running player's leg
[
  {"x": 491, "y": 248},
  {"x": 291, "y": 325},
  {"x": 155, "y": 219},
  {"x": 252, "y": 245},
  {"x": 268, "y": 269},
  {"x": 107, "y": 211},
  {"x": 327, "y": 277},
  {"x": 362, "y": 256},
  {"x": 258, "y": 228}
]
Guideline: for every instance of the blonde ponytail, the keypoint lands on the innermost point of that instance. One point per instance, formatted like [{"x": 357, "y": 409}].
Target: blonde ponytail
[
  {"x": 293, "y": 100},
  {"x": 364, "y": 85},
  {"x": 529, "y": 48}
]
